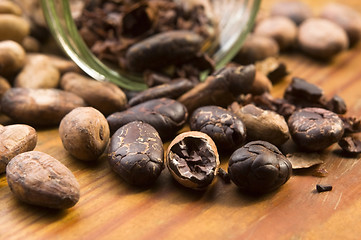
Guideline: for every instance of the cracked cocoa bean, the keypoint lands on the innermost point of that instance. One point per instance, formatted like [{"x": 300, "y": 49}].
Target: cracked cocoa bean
[
  {"x": 315, "y": 129},
  {"x": 224, "y": 127},
  {"x": 259, "y": 167},
  {"x": 39, "y": 179},
  {"x": 166, "y": 115},
  {"x": 136, "y": 153},
  {"x": 192, "y": 159}
]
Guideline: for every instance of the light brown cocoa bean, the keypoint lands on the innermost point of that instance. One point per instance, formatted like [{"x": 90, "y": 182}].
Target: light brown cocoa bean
[
  {"x": 15, "y": 139},
  {"x": 84, "y": 133},
  {"x": 10, "y": 7},
  {"x": 38, "y": 72},
  {"x": 104, "y": 96},
  {"x": 39, "y": 179},
  {"x": 262, "y": 124},
  {"x": 12, "y": 57},
  {"x": 321, "y": 38},
  {"x": 346, "y": 17},
  {"x": 30, "y": 44},
  {"x": 261, "y": 84},
  {"x": 256, "y": 48},
  {"x": 4, "y": 86},
  {"x": 280, "y": 28},
  {"x": 39, "y": 107},
  {"x": 297, "y": 11},
  {"x": 13, "y": 27}
]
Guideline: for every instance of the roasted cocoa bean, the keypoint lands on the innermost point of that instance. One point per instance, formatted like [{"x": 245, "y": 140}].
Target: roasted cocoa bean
[
  {"x": 220, "y": 88},
  {"x": 84, "y": 133},
  {"x": 104, "y": 96},
  {"x": 192, "y": 159},
  {"x": 136, "y": 153},
  {"x": 163, "y": 49},
  {"x": 39, "y": 179},
  {"x": 39, "y": 107},
  {"x": 346, "y": 17},
  {"x": 281, "y": 29},
  {"x": 256, "y": 48},
  {"x": 171, "y": 90},
  {"x": 13, "y": 27},
  {"x": 315, "y": 129},
  {"x": 259, "y": 167},
  {"x": 15, "y": 139},
  {"x": 166, "y": 115},
  {"x": 262, "y": 124},
  {"x": 223, "y": 126},
  {"x": 12, "y": 58},
  {"x": 321, "y": 38},
  {"x": 297, "y": 11},
  {"x": 38, "y": 72}
]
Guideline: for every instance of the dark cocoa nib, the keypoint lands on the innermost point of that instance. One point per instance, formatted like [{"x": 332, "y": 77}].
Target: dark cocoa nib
[
  {"x": 166, "y": 115},
  {"x": 315, "y": 129},
  {"x": 136, "y": 153},
  {"x": 223, "y": 126},
  {"x": 323, "y": 188},
  {"x": 259, "y": 167},
  {"x": 350, "y": 144}
]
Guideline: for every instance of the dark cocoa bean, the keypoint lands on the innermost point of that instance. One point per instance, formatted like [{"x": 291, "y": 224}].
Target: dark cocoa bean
[
  {"x": 315, "y": 129},
  {"x": 224, "y": 127},
  {"x": 163, "y": 49},
  {"x": 136, "y": 153},
  {"x": 259, "y": 167},
  {"x": 166, "y": 115},
  {"x": 171, "y": 90}
]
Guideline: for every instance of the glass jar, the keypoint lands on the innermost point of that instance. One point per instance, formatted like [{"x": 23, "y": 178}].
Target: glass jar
[{"x": 235, "y": 18}]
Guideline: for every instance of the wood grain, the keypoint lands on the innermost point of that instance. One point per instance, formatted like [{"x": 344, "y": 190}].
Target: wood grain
[{"x": 110, "y": 209}]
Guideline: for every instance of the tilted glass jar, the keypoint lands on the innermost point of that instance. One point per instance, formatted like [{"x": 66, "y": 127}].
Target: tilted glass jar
[{"x": 235, "y": 19}]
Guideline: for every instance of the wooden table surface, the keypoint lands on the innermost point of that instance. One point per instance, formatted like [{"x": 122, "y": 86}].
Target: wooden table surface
[{"x": 110, "y": 209}]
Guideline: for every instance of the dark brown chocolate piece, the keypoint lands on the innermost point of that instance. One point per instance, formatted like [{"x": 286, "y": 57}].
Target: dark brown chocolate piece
[{"x": 350, "y": 144}]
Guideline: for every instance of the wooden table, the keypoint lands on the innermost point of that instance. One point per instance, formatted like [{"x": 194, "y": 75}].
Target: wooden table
[{"x": 110, "y": 209}]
